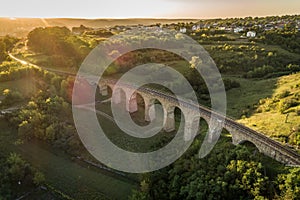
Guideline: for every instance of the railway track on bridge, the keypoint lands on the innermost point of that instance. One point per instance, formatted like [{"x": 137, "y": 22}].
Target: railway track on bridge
[{"x": 230, "y": 122}]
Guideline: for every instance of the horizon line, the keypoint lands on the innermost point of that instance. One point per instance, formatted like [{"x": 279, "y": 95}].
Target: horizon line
[{"x": 158, "y": 18}]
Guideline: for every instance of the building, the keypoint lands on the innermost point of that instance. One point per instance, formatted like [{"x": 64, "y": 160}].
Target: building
[
  {"x": 251, "y": 34},
  {"x": 238, "y": 29},
  {"x": 196, "y": 28},
  {"x": 182, "y": 30},
  {"x": 269, "y": 27},
  {"x": 80, "y": 30}
]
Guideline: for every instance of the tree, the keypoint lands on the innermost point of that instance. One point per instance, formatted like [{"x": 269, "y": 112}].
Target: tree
[
  {"x": 38, "y": 178},
  {"x": 293, "y": 68},
  {"x": 11, "y": 97},
  {"x": 137, "y": 195},
  {"x": 289, "y": 184},
  {"x": 16, "y": 167},
  {"x": 3, "y": 54}
]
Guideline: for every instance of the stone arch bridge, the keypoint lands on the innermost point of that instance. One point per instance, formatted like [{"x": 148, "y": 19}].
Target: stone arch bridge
[
  {"x": 192, "y": 115},
  {"x": 239, "y": 132}
]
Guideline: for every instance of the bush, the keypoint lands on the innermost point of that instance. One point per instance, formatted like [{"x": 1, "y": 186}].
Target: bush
[
  {"x": 293, "y": 68},
  {"x": 230, "y": 84},
  {"x": 38, "y": 178},
  {"x": 11, "y": 97},
  {"x": 284, "y": 94},
  {"x": 286, "y": 104},
  {"x": 260, "y": 72}
]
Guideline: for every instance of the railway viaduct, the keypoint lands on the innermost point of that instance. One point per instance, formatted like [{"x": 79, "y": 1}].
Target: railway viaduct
[{"x": 192, "y": 115}]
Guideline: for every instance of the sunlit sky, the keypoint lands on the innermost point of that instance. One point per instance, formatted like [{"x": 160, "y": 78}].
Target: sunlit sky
[{"x": 147, "y": 8}]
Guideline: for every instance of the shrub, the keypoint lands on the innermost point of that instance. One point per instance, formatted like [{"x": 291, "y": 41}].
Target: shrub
[
  {"x": 38, "y": 178},
  {"x": 284, "y": 94},
  {"x": 286, "y": 104},
  {"x": 11, "y": 97},
  {"x": 229, "y": 84},
  {"x": 293, "y": 68}
]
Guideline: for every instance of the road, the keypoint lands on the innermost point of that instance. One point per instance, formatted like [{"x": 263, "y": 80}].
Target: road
[
  {"x": 9, "y": 110},
  {"x": 23, "y": 62}
]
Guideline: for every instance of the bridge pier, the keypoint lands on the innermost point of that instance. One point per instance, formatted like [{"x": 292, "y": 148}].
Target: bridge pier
[
  {"x": 149, "y": 110},
  {"x": 191, "y": 126},
  {"x": 131, "y": 104},
  {"x": 103, "y": 90},
  {"x": 116, "y": 96},
  {"x": 169, "y": 119},
  {"x": 235, "y": 138}
]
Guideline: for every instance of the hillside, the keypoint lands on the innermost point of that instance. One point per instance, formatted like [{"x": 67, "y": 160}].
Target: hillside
[{"x": 283, "y": 107}]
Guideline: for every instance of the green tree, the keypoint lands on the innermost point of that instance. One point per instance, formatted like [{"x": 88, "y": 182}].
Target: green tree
[
  {"x": 38, "y": 178},
  {"x": 289, "y": 184}
]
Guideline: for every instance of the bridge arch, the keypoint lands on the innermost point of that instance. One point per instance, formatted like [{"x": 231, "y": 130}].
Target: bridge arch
[
  {"x": 248, "y": 143},
  {"x": 240, "y": 139}
]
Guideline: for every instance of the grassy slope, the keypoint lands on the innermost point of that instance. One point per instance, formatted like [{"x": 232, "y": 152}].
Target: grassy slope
[{"x": 269, "y": 120}]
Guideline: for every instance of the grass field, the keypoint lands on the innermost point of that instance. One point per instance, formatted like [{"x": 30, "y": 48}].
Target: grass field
[
  {"x": 71, "y": 178},
  {"x": 75, "y": 180},
  {"x": 242, "y": 99},
  {"x": 268, "y": 119}
]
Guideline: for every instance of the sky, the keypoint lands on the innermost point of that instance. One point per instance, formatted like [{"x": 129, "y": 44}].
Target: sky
[{"x": 198, "y": 9}]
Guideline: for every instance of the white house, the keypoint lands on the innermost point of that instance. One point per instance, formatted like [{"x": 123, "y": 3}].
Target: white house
[
  {"x": 238, "y": 29},
  {"x": 196, "y": 28},
  {"x": 251, "y": 34},
  {"x": 182, "y": 30}
]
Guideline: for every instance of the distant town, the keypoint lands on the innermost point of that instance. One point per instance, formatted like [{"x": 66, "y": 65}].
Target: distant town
[{"x": 247, "y": 27}]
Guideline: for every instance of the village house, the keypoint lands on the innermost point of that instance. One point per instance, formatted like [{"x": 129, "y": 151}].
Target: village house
[
  {"x": 196, "y": 27},
  {"x": 269, "y": 27},
  {"x": 238, "y": 29},
  {"x": 251, "y": 34},
  {"x": 182, "y": 30}
]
